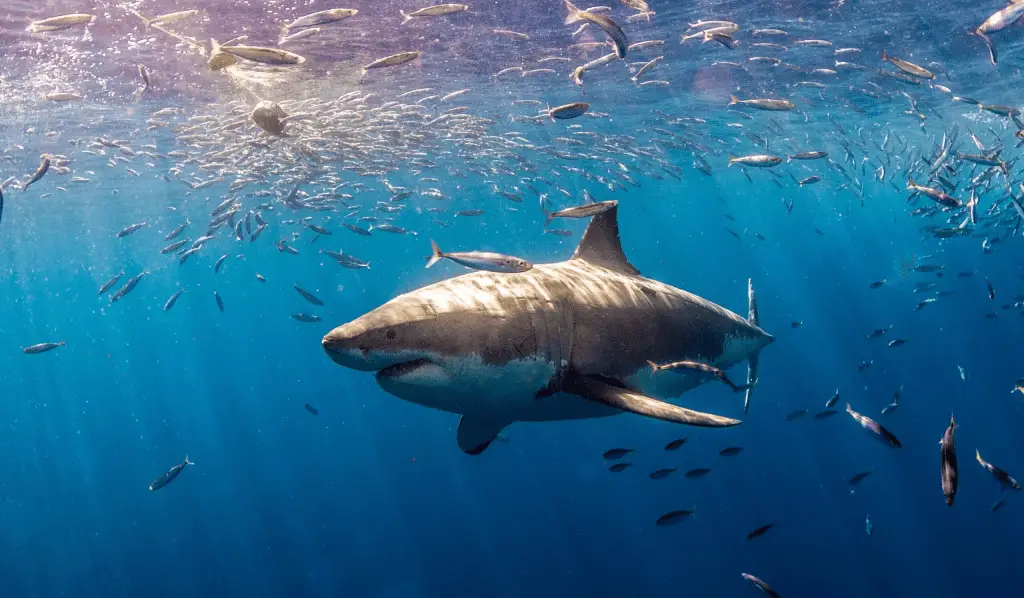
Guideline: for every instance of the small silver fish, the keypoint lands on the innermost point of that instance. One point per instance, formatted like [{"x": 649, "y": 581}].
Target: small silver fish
[
  {"x": 567, "y": 111},
  {"x": 174, "y": 299},
  {"x": 40, "y": 172},
  {"x": 433, "y": 11},
  {"x": 950, "y": 472},
  {"x": 323, "y": 17},
  {"x": 610, "y": 27},
  {"x": 59, "y": 23},
  {"x": 42, "y": 347},
  {"x": 583, "y": 211},
  {"x": 874, "y": 427},
  {"x": 757, "y": 160},
  {"x": 481, "y": 260},
  {"x": 393, "y": 60}
]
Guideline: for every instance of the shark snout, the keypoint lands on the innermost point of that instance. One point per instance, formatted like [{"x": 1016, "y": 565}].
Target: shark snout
[{"x": 342, "y": 345}]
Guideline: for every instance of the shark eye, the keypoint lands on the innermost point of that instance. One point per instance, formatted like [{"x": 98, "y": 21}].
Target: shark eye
[{"x": 390, "y": 334}]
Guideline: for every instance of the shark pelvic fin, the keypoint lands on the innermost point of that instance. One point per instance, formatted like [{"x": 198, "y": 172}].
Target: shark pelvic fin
[
  {"x": 600, "y": 244},
  {"x": 620, "y": 398},
  {"x": 755, "y": 357},
  {"x": 476, "y": 434}
]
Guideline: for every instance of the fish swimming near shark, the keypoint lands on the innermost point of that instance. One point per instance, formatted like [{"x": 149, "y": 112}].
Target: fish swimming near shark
[{"x": 561, "y": 341}]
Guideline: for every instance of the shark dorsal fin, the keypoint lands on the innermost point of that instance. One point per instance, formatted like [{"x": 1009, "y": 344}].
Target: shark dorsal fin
[{"x": 600, "y": 244}]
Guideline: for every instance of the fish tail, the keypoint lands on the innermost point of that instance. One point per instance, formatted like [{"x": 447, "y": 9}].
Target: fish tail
[
  {"x": 755, "y": 358},
  {"x": 405, "y": 17},
  {"x": 63, "y": 343},
  {"x": 437, "y": 255},
  {"x": 911, "y": 184},
  {"x": 733, "y": 100},
  {"x": 884, "y": 55},
  {"x": 574, "y": 13},
  {"x": 654, "y": 366},
  {"x": 146, "y": 22},
  {"x": 548, "y": 214},
  {"x": 732, "y": 159},
  {"x": 187, "y": 462}
]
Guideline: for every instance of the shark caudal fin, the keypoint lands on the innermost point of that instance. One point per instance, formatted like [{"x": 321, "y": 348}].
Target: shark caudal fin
[{"x": 755, "y": 357}]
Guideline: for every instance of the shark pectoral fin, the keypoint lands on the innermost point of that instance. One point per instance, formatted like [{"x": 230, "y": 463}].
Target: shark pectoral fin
[
  {"x": 627, "y": 400},
  {"x": 476, "y": 434}
]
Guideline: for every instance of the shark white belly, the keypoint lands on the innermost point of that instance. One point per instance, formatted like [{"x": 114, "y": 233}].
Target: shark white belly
[{"x": 561, "y": 341}]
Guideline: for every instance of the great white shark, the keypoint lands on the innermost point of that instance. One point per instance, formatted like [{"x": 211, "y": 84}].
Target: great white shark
[{"x": 561, "y": 341}]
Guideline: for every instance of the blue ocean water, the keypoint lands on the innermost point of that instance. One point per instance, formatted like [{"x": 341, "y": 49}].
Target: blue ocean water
[{"x": 372, "y": 497}]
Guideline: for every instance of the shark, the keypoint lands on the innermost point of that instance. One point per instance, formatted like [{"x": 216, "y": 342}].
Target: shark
[{"x": 561, "y": 341}]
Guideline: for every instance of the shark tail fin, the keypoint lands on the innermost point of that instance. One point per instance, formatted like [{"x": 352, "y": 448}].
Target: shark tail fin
[
  {"x": 437, "y": 255},
  {"x": 755, "y": 357}
]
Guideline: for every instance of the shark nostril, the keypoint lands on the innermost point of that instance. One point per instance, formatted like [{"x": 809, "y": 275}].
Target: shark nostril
[{"x": 364, "y": 349}]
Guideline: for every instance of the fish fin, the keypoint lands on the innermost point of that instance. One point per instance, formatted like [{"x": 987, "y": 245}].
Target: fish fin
[
  {"x": 733, "y": 100},
  {"x": 755, "y": 358},
  {"x": 476, "y": 434},
  {"x": 547, "y": 213},
  {"x": 437, "y": 255},
  {"x": 601, "y": 246},
  {"x": 145, "y": 21},
  {"x": 405, "y": 17},
  {"x": 574, "y": 13},
  {"x": 187, "y": 462},
  {"x": 731, "y": 160},
  {"x": 596, "y": 390},
  {"x": 654, "y": 366}
]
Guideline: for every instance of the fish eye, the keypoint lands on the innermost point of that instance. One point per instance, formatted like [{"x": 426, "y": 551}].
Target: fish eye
[{"x": 390, "y": 334}]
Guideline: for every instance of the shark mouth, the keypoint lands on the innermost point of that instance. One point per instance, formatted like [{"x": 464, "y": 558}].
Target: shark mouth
[{"x": 401, "y": 369}]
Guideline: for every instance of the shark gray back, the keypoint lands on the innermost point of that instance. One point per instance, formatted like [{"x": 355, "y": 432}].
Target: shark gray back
[{"x": 567, "y": 340}]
